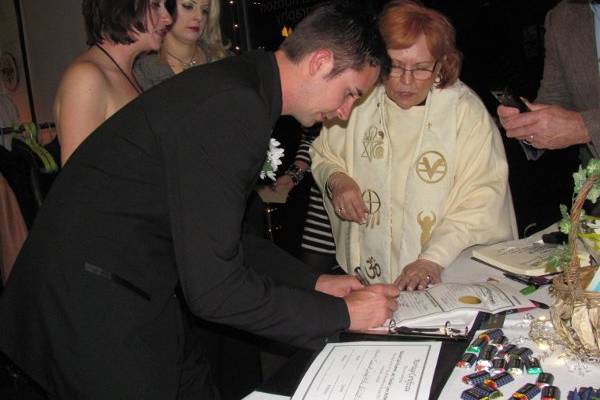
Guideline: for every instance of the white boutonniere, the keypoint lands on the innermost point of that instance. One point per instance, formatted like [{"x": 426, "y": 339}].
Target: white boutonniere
[{"x": 273, "y": 160}]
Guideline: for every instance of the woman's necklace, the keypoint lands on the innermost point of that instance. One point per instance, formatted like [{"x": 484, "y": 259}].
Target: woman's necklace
[
  {"x": 135, "y": 85},
  {"x": 185, "y": 65}
]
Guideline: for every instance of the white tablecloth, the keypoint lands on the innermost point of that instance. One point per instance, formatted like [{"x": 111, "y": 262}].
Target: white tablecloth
[{"x": 516, "y": 328}]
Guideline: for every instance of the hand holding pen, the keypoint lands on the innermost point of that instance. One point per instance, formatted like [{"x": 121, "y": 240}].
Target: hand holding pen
[
  {"x": 371, "y": 306},
  {"x": 361, "y": 277}
]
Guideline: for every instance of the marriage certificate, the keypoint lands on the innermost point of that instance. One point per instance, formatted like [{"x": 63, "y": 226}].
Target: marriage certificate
[{"x": 370, "y": 371}]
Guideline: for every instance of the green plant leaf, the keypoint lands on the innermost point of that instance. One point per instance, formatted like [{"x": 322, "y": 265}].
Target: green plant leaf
[
  {"x": 594, "y": 193},
  {"x": 593, "y": 167},
  {"x": 564, "y": 226},
  {"x": 579, "y": 178},
  {"x": 559, "y": 260}
]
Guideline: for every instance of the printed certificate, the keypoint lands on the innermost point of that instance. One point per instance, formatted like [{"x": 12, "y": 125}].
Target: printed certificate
[{"x": 371, "y": 371}]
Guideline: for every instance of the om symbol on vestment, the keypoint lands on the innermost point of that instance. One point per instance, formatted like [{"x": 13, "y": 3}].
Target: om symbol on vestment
[{"x": 373, "y": 268}]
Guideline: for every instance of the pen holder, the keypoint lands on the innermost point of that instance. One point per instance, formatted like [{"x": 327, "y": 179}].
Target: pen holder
[{"x": 576, "y": 312}]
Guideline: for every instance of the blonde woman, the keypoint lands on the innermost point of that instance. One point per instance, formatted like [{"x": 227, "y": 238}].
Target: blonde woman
[{"x": 193, "y": 39}]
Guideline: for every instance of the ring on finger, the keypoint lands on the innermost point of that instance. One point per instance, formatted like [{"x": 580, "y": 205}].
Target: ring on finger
[
  {"x": 428, "y": 277},
  {"x": 340, "y": 210}
]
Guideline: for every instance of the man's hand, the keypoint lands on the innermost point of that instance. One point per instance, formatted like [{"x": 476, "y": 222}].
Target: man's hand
[
  {"x": 545, "y": 126},
  {"x": 418, "y": 274},
  {"x": 337, "y": 285},
  {"x": 372, "y": 306},
  {"x": 347, "y": 198}
]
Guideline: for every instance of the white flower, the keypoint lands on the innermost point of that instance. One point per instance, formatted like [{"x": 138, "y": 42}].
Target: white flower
[{"x": 273, "y": 160}]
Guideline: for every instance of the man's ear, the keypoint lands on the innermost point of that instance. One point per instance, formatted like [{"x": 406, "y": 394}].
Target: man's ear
[{"x": 320, "y": 62}]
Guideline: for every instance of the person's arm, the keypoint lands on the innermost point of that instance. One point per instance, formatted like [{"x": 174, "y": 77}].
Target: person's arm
[
  {"x": 478, "y": 209},
  {"x": 80, "y": 106},
  {"x": 331, "y": 174},
  {"x": 299, "y": 167},
  {"x": 207, "y": 199},
  {"x": 553, "y": 122},
  {"x": 553, "y": 86},
  {"x": 326, "y": 153},
  {"x": 278, "y": 264}
]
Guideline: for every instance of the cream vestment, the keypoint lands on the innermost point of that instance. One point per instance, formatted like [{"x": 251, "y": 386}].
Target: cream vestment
[{"x": 434, "y": 178}]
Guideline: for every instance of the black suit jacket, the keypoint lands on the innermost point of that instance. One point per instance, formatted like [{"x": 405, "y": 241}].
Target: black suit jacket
[{"x": 156, "y": 195}]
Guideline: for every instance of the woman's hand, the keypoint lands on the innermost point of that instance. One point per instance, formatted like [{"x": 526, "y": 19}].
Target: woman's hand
[
  {"x": 283, "y": 184},
  {"x": 418, "y": 275},
  {"x": 346, "y": 198}
]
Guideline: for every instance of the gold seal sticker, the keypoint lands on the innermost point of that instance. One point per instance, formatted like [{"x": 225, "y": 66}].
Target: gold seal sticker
[{"x": 469, "y": 299}]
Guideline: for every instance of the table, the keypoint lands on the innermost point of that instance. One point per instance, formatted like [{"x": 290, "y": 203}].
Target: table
[{"x": 447, "y": 382}]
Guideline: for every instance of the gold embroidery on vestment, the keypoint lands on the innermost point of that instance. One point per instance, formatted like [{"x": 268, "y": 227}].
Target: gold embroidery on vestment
[
  {"x": 427, "y": 222},
  {"x": 431, "y": 167},
  {"x": 373, "y": 144},
  {"x": 373, "y": 202}
]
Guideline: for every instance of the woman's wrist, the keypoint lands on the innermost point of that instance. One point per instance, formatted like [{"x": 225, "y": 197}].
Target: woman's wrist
[
  {"x": 331, "y": 181},
  {"x": 295, "y": 173}
]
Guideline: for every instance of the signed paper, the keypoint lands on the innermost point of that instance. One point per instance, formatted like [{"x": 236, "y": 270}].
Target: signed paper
[
  {"x": 447, "y": 300},
  {"x": 370, "y": 371}
]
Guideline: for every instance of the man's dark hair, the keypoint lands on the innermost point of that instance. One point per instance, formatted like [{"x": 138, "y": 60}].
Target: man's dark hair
[
  {"x": 348, "y": 31},
  {"x": 114, "y": 20}
]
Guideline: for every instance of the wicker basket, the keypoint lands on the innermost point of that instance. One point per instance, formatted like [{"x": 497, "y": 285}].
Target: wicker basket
[{"x": 576, "y": 312}]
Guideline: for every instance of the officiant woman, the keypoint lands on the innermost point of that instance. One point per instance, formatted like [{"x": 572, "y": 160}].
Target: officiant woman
[{"x": 418, "y": 174}]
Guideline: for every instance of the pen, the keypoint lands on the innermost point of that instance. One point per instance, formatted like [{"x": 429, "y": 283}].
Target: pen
[
  {"x": 518, "y": 278},
  {"x": 537, "y": 304},
  {"x": 361, "y": 278},
  {"x": 537, "y": 281}
]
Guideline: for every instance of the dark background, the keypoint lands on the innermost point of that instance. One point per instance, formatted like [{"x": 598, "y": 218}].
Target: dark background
[{"x": 503, "y": 44}]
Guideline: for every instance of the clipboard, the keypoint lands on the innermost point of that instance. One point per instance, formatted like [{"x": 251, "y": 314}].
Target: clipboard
[{"x": 406, "y": 333}]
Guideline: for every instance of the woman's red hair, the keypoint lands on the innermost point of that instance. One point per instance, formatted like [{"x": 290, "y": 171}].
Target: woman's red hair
[{"x": 403, "y": 21}]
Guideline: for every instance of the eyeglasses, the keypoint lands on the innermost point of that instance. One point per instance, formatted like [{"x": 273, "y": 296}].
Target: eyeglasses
[{"x": 420, "y": 74}]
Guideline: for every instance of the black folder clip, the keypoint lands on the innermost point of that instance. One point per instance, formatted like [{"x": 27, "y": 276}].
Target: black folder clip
[{"x": 445, "y": 332}]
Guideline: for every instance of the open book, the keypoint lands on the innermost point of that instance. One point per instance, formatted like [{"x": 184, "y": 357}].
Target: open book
[{"x": 523, "y": 257}]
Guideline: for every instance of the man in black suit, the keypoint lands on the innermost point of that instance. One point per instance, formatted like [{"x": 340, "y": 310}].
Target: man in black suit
[{"x": 156, "y": 196}]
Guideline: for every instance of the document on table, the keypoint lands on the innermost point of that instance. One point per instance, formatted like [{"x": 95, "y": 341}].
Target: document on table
[
  {"x": 370, "y": 371},
  {"x": 448, "y": 301}
]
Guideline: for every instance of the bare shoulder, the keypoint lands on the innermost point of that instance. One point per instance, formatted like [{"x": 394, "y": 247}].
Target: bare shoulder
[{"x": 84, "y": 74}]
